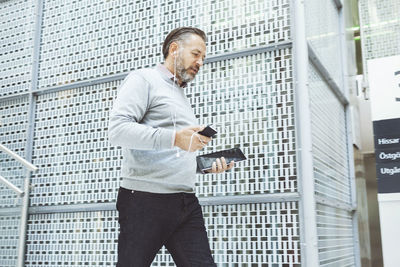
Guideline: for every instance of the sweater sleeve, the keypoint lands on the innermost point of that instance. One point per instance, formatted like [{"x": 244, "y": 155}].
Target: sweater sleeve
[{"x": 128, "y": 110}]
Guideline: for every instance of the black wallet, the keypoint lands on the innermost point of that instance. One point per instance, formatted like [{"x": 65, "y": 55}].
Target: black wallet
[{"x": 204, "y": 162}]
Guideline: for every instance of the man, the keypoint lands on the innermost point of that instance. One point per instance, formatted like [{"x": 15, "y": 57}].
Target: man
[{"x": 153, "y": 122}]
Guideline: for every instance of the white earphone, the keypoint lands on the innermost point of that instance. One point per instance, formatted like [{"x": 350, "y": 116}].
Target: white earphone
[{"x": 173, "y": 116}]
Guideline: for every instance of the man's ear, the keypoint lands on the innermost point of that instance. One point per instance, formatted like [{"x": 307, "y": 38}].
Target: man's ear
[{"x": 173, "y": 48}]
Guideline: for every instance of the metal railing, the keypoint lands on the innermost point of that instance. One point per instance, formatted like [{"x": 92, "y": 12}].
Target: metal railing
[
  {"x": 27, "y": 164},
  {"x": 24, "y": 194}
]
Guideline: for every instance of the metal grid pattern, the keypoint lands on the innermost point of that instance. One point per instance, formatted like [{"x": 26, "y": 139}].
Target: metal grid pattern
[
  {"x": 264, "y": 234},
  {"x": 255, "y": 112},
  {"x": 13, "y": 125},
  {"x": 261, "y": 234},
  {"x": 71, "y": 149},
  {"x": 86, "y": 39},
  {"x": 16, "y": 45},
  {"x": 335, "y": 237},
  {"x": 72, "y": 239},
  {"x": 322, "y": 29},
  {"x": 9, "y": 233},
  {"x": 380, "y": 23},
  {"x": 328, "y": 123}
]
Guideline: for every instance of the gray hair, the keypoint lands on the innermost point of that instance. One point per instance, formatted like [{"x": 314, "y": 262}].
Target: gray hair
[{"x": 180, "y": 35}]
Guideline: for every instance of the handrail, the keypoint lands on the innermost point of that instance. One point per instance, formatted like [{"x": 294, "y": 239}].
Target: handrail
[
  {"x": 18, "y": 158},
  {"x": 18, "y": 191},
  {"x": 27, "y": 164}
]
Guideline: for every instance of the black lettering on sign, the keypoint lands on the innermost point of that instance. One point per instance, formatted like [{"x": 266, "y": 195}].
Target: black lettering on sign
[
  {"x": 387, "y": 154},
  {"x": 388, "y": 175}
]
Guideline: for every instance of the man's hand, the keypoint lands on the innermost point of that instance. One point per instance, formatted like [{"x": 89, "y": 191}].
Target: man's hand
[
  {"x": 220, "y": 165},
  {"x": 184, "y": 137}
]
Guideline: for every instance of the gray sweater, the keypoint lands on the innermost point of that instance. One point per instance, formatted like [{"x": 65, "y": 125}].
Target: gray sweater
[{"x": 141, "y": 122}]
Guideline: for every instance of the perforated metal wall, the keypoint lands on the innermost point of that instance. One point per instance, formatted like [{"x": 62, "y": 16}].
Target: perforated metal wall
[
  {"x": 13, "y": 128},
  {"x": 253, "y": 111},
  {"x": 380, "y": 23},
  {"x": 13, "y": 133},
  {"x": 261, "y": 234},
  {"x": 328, "y": 121},
  {"x": 9, "y": 226},
  {"x": 76, "y": 162},
  {"x": 72, "y": 239},
  {"x": 16, "y": 45},
  {"x": 322, "y": 29},
  {"x": 86, "y": 39}
]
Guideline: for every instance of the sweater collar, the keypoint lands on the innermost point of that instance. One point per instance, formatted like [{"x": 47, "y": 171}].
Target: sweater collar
[{"x": 168, "y": 75}]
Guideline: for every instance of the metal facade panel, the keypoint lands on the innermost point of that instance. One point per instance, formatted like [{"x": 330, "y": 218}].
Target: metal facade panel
[
  {"x": 335, "y": 237},
  {"x": 86, "y": 39},
  {"x": 264, "y": 234},
  {"x": 9, "y": 226},
  {"x": 379, "y": 26},
  {"x": 71, "y": 148},
  {"x": 13, "y": 126},
  {"x": 16, "y": 45},
  {"x": 328, "y": 120},
  {"x": 323, "y": 34},
  {"x": 253, "y": 111}
]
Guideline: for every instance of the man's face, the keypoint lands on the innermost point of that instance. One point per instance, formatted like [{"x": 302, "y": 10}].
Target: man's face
[{"x": 190, "y": 58}]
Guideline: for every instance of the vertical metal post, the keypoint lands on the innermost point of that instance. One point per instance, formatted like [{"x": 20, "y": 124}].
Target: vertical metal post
[
  {"x": 23, "y": 222},
  {"x": 29, "y": 134},
  {"x": 350, "y": 155},
  {"x": 305, "y": 174}
]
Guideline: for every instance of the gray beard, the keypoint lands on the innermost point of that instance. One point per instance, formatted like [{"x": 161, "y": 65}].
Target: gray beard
[{"x": 182, "y": 72}]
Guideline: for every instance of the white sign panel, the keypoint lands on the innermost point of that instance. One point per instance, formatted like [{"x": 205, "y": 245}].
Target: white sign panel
[{"x": 384, "y": 83}]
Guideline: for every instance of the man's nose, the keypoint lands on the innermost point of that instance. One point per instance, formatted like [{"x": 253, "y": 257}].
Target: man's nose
[{"x": 200, "y": 62}]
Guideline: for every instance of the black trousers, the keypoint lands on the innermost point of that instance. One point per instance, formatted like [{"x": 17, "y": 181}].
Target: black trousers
[{"x": 148, "y": 221}]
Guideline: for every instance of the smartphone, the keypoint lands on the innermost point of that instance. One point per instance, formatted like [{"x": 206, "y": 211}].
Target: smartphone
[{"x": 208, "y": 131}]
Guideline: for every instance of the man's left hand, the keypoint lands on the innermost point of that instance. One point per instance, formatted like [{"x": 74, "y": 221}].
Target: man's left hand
[{"x": 220, "y": 165}]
